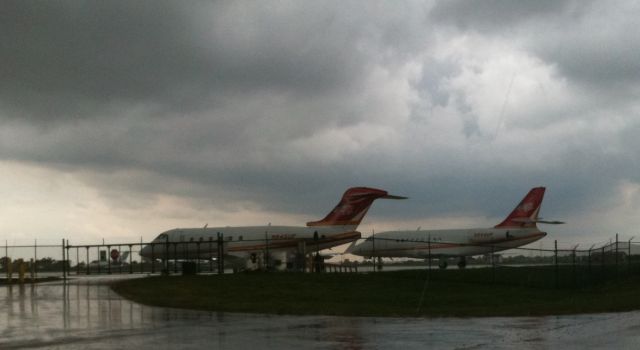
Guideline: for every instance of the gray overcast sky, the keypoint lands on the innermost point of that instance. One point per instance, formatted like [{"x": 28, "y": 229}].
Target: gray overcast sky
[{"x": 121, "y": 119}]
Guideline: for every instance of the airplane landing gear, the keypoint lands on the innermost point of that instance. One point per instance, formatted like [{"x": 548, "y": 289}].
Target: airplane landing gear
[
  {"x": 442, "y": 263},
  {"x": 462, "y": 263},
  {"x": 165, "y": 267}
]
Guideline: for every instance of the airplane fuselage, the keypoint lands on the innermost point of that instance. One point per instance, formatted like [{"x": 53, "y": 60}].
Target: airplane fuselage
[
  {"x": 202, "y": 243},
  {"x": 441, "y": 243}
]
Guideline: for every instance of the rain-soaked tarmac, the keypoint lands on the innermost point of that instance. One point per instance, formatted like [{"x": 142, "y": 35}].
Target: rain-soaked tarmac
[{"x": 86, "y": 314}]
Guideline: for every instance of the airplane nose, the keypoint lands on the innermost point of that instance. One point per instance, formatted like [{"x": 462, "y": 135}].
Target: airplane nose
[{"x": 145, "y": 251}]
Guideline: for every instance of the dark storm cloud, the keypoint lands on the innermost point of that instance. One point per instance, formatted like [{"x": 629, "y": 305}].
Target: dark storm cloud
[
  {"x": 71, "y": 60},
  {"x": 498, "y": 15},
  {"x": 599, "y": 50},
  {"x": 65, "y": 59},
  {"x": 208, "y": 92}
]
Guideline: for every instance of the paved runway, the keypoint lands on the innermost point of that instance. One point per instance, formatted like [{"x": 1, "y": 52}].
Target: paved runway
[{"x": 86, "y": 314}]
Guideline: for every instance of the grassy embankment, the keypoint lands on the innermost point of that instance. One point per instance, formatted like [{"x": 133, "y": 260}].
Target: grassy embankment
[{"x": 475, "y": 292}]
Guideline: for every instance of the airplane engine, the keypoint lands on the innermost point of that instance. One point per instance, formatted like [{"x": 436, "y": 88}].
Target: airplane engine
[
  {"x": 254, "y": 262},
  {"x": 462, "y": 262},
  {"x": 279, "y": 261}
]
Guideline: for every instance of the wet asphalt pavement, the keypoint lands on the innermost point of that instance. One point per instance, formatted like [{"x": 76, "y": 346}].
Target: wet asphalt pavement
[{"x": 86, "y": 314}]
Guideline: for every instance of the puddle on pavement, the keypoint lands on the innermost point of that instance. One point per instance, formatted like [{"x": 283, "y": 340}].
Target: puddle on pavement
[{"x": 85, "y": 314}]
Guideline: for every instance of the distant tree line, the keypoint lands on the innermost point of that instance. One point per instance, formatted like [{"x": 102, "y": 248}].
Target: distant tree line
[{"x": 44, "y": 264}]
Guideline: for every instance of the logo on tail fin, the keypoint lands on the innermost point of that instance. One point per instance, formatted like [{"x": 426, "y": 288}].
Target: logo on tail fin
[
  {"x": 525, "y": 207},
  {"x": 526, "y": 213},
  {"x": 352, "y": 207}
]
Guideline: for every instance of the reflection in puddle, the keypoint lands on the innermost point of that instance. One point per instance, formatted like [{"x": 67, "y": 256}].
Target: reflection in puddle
[{"x": 86, "y": 314}]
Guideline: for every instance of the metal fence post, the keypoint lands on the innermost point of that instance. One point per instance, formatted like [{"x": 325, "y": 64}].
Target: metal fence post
[
  {"x": 175, "y": 257},
  {"x": 616, "y": 255},
  {"x": 429, "y": 247},
  {"x": 130, "y": 258},
  {"x": 602, "y": 262},
  {"x": 88, "y": 265},
  {"x": 35, "y": 258},
  {"x": 141, "y": 257},
  {"x": 266, "y": 249},
  {"x": 166, "y": 255},
  {"x": 64, "y": 272},
  {"x": 589, "y": 258},
  {"x": 493, "y": 265},
  {"x": 98, "y": 247},
  {"x": 109, "y": 259},
  {"x": 573, "y": 265},
  {"x": 373, "y": 249},
  {"x": 153, "y": 258},
  {"x": 316, "y": 258},
  {"x": 67, "y": 261},
  {"x": 629, "y": 255},
  {"x": 220, "y": 253},
  {"x": 198, "y": 257},
  {"x": 210, "y": 254},
  {"x": 555, "y": 252}
]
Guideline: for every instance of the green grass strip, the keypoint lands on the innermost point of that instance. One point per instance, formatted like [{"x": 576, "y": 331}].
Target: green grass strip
[{"x": 398, "y": 293}]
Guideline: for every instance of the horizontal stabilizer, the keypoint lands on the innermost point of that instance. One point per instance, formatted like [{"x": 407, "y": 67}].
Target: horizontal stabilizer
[
  {"x": 537, "y": 221},
  {"x": 550, "y": 222},
  {"x": 390, "y": 196}
]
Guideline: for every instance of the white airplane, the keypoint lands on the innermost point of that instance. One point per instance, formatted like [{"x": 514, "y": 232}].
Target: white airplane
[
  {"x": 518, "y": 229},
  {"x": 278, "y": 243}
]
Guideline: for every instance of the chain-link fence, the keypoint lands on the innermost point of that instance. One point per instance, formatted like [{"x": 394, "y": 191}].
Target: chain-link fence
[
  {"x": 204, "y": 255},
  {"x": 537, "y": 267},
  {"x": 523, "y": 266}
]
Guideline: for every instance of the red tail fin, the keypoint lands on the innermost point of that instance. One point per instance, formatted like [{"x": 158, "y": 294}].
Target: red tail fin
[
  {"x": 353, "y": 206},
  {"x": 526, "y": 213}
]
